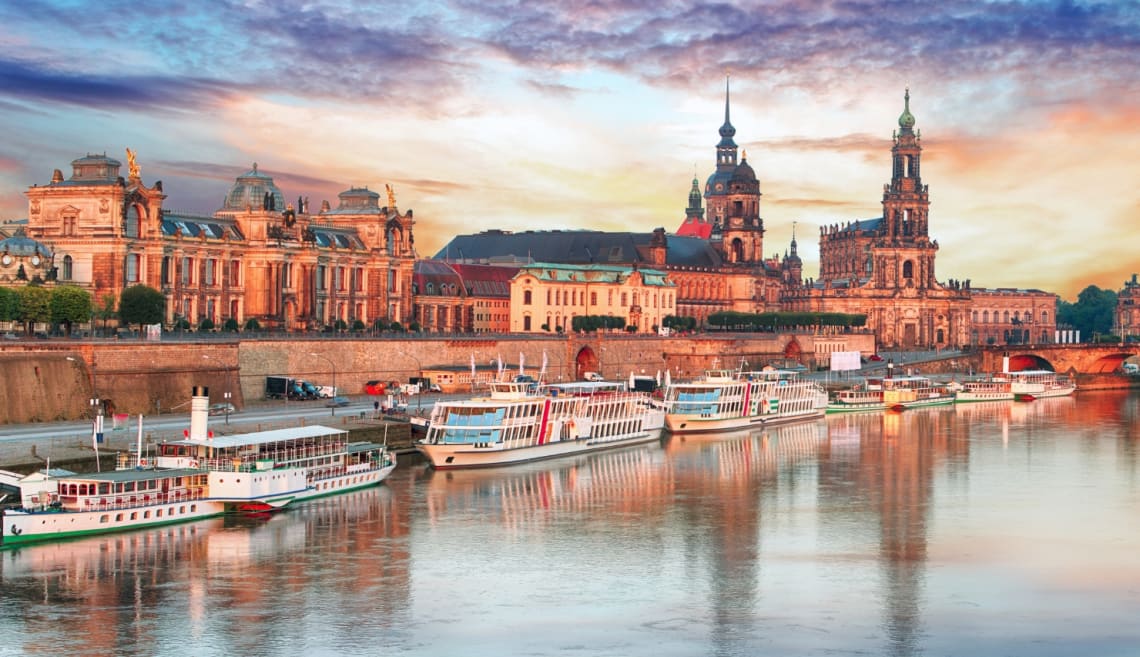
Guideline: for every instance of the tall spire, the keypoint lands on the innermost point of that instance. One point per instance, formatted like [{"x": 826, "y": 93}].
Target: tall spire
[
  {"x": 727, "y": 132},
  {"x": 793, "y": 238},
  {"x": 906, "y": 119}
]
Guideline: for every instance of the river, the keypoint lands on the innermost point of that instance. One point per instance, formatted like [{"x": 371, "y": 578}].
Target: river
[{"x": 976, "y": 529}]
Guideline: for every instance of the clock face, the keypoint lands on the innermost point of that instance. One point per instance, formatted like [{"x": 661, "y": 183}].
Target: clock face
[
  {"x": 35, "y": 260},
  {"x": 7, "y": 259}
]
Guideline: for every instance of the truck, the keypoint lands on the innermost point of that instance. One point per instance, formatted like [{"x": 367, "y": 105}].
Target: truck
[{"x": 284, "y": 387}]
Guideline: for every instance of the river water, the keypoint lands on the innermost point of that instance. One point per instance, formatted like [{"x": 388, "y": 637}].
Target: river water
[{"x": 984, "y": 529}]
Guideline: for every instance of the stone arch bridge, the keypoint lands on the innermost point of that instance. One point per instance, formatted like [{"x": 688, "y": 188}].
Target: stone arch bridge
[{"x": 1069, "y": 358}]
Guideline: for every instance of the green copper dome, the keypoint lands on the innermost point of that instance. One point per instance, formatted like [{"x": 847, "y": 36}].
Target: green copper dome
[{"x": 906, "y": 119}]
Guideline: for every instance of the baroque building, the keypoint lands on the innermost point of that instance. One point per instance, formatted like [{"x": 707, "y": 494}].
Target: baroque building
[
  {"x": 257, "y": 257},
  {"x": 1127, "y": 320},
  {"x": 884, "y": 267}
]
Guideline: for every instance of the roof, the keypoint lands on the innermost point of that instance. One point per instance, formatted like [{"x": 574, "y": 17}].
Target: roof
[
  {"x": 263, "y": 437},
  {"x": 577, "y": 247},
  {"x": 192, "y": 226},
  {"x": 587, "y": 273}
]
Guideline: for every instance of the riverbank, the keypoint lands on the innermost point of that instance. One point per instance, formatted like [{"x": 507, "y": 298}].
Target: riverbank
[{"x": 78, "y": 454}]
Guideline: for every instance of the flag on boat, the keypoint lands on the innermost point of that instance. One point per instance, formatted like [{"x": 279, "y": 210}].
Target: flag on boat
[
  {"x": 500, "y": 372},
  {"x": 521, "y": 361},
  {"x": 472, "y": 368}
]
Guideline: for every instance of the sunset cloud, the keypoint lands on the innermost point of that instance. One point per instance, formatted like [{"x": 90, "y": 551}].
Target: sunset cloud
[{"x": 580, "y": 114}]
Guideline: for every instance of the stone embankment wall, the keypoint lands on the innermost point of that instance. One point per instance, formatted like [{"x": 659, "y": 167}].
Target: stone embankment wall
[{"x": 55, "y": 379}]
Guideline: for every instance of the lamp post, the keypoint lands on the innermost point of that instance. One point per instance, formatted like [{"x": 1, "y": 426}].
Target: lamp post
[{"x": 332, "y": 407}]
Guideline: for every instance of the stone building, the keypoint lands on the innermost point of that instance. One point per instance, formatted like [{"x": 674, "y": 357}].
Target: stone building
[
  {"x": 462, "y": 298},
  {"x": 1127, "y": 320},
  {"x": 546, "y": 297},
  {"x": 884, "y": 267},
  {"x": 257, "y": 257}
]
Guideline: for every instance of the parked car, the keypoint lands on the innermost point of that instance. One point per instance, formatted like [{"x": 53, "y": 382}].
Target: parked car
[
  {"x": 220, "y": 409},
  {"x": 875, "y": 357},
  {"x": 435, "y": 388},
  {"x": 593, "y": 376},
  {"x": 375, "y": 388},
  {"x": 338, "y": 401}
]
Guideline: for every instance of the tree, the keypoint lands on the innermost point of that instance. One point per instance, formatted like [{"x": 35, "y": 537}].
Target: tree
[
  {"x": 70, "y": 305},
  {"x": 106, "y": 310},
  {"x": 252, "y": 324},
  {"x": 9, "y": 304},
  {"x": 35, "y": 304},
  {"x": 1092, "y": 313},
  {"x": 141, "y": 305},
  {"x": 230, "y": 325},
  {"x": 206, "y": 325}
]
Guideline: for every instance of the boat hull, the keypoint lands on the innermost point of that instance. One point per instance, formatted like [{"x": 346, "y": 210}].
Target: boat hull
[
  {"x": 23, "y": 527},
  {"x": 449, "y": 456},
  {"x": 691, "y": 424}
]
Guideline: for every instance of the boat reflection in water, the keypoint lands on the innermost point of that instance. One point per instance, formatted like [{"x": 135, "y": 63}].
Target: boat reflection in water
[
  {"x": 736, "y": 453},
  {"x": 231, "y": 576},
  {"x": 538, "y": 492}
]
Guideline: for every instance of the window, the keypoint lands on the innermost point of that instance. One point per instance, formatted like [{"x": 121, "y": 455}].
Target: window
[
  {"x": 187, "y": 270},
  {"x": 235, "y": 272},
  {"x": 908, "y": 269},
  {"x": 132, "y": 267},
  {"x": 593, "y": 298},
  {"x": 68, "y": 268},
  {"x": 526, "y": 302},
  {"x": 209, "y": 271}
]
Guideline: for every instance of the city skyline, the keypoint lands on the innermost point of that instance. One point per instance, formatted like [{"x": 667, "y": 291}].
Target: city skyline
[{"x": 588, "y": 116}]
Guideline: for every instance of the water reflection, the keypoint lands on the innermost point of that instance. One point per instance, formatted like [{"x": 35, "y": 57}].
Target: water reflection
[
  {"x": 981, "y": 529},
  {"x": 235, "y": 585}
]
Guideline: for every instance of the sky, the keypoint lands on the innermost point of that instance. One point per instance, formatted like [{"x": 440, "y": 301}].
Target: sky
[{"x": 523, "y": 115}]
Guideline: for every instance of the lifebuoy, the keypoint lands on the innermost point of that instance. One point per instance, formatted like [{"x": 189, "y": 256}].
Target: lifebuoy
[{"x": 16, "y": 531}]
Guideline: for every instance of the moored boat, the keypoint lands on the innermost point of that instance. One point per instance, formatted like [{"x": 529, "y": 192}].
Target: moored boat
[
  {"x": 197, "y": 477},
  {"x": 865, "y": 396},
  {"x": 519, "y": 421},
  {"x": 1034, "y": 384},
  {"x": 891, "y": 393},
  {"x": 989, "y": 389},
  {"x": 728, "y": 399}
]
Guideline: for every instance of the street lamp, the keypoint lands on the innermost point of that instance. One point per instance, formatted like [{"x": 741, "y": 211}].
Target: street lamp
[{"x": 332, "y": 407}]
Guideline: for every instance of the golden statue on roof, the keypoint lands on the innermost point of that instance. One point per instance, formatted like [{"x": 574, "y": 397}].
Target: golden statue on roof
[
  {"x": 391, "y": 196},
  {"x": 132, "y": 166}
]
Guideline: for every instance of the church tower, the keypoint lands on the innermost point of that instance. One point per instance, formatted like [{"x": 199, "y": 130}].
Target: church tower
[
  {"x": 903, "y": 247},
  {"x": 695, "y": 224},
  {"x": 732, "y": 198}
]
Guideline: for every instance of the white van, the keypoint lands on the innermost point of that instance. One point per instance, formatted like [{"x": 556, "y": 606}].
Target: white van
[{"x": 593, "y": 376}]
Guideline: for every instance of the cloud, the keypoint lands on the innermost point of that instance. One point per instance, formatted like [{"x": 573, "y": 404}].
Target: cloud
[{"x": 32, "y": 82}]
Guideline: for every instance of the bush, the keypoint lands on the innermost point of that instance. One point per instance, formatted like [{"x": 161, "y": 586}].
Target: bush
[
  {"x": 230, "y": 326},
  {"x": 206, "y": 325},
  {"x": 252, "y": 324}
]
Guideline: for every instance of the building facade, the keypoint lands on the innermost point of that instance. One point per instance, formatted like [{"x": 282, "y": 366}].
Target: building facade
[
  {"x": 256, "y": 258},
  {"x": 884, "y": 267},
  {"x": 546, "y": 297}
]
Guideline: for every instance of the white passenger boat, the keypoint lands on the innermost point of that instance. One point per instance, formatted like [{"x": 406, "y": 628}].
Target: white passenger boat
[
  {"x": 197, "y": 477},
  {"x": 1034, "y": 384},
  {"x": 727, "y": 399},
  {"x": 896, "y": 393},
  {"x": 989, "y": 389},
  {"x": 519, "y": 421},
  {"x": 865, "y": 396}
]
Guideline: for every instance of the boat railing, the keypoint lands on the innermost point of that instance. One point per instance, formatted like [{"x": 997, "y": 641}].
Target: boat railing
[{"x": 129, "y": 501}]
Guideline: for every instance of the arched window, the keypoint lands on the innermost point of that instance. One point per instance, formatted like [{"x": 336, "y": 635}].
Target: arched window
[
  {"x": 68, "y": 268},
  {"x": 908, "y": 269},
  {"x": 527, "y": 302}
]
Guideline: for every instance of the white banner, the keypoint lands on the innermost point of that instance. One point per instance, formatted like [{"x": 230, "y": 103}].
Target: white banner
[{"x": 842, "y": 361}]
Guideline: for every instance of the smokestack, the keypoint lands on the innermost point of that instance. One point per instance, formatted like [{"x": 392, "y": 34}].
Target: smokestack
[{"x": 199, "y": 412}]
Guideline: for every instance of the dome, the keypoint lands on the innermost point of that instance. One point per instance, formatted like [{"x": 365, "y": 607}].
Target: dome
[
  {"x": 906, "y": 119},
  {"x": 95, "y": 168},
  {"x": 249, "y": 192},
  {"x": 744, "y": 173},
  {"x": 21, "y": 245}
]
